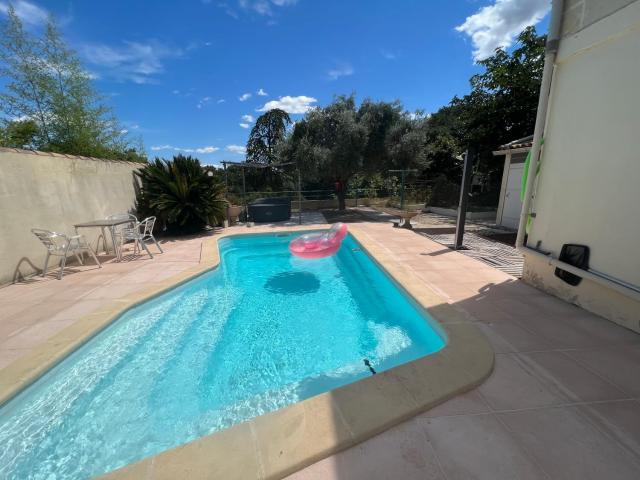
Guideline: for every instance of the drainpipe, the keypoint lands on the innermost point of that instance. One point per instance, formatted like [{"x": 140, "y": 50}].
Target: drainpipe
[
  {"x": 553, "y": 42},
  {"x": 551, "y": 50}
]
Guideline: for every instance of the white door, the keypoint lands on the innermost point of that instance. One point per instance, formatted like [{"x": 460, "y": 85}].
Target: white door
[{"x": 512, "y": 203}]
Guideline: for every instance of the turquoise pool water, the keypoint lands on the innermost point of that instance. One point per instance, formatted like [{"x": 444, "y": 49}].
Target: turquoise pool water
[{"x": 262, "y": 331}]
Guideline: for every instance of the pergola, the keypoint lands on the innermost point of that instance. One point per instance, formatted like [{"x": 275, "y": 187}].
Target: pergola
[{"x": 244, "y": 165}]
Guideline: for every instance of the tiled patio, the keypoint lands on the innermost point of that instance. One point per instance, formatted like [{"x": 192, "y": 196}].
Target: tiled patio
[{"x": 562, "y": 403}]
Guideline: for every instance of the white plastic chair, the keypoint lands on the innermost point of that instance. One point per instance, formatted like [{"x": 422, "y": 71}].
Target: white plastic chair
[
  {"x": 61, "y": 245},
  {"x": 140, "y": 233}
]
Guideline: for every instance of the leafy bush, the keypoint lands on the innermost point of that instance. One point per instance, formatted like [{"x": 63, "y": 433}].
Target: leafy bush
[
  {"x": 444, "y": 193},
  {"x": 180, "y": 194}
]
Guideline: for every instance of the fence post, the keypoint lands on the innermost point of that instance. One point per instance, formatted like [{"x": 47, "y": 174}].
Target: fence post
[
  {"x": 299, "y": 197},
  {"x": 244, "y": 197}
]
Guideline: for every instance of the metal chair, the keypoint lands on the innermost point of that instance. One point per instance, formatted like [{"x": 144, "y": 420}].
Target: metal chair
[
  {"x": 61, "y": 245},
  {"x": 140, "y": 233},
  {"x": 116, "y": 231}
]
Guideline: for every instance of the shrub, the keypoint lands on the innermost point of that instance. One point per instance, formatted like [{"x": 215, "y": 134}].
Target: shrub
[
  {"x": 180, "y": 194},
  {"x": 444, "y": 193}
]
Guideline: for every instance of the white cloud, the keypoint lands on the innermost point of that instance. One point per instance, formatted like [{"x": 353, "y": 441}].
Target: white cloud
[
  {"x": 133, "y": 61},
  {"x": 28, "y": 12},
  {"x": 244, "y": 97},
  {"x": 388, "y": 54},
  {"x": 208, "y": 149},
  {"x": 184, "y": 93},
  {"x": 497, "y": 25},
  {"x": 299, "y": 104},
  {"x": 262, "y": 93},
  {"x": 261, "y": 7},
  {"x": 342, "y": 71},
  {"x": 239, "y": 149},
  {"x": 247, "y": 118},
  {"x": 203, "y": 102},
  {"x": 222, "y": 100},
  {"x": 131, "y": 125},
  {"x": 244, "y": 125}
]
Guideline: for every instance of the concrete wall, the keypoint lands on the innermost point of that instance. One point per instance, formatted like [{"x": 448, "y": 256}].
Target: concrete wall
[
  {"x": 50, "y": 191},
  {"x": 588, "y": 189}
]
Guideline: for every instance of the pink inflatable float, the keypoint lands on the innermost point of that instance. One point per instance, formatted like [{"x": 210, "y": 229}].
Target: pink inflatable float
[{"x": 319, "y": 245}]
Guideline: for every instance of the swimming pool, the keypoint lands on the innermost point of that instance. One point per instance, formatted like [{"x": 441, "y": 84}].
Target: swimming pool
[{"x": 262, "y": 331}]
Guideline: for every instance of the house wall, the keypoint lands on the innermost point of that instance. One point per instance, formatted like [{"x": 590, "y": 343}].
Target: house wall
[
  {"x": 588, "y": 189},
  {"x": 50, "y": 191}
]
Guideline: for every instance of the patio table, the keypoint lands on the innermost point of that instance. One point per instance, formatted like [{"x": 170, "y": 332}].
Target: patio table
[{"x": 102, "y": 224}]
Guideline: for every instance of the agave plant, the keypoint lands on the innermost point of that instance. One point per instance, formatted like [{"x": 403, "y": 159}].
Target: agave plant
[{"x": 180, "y": 194}]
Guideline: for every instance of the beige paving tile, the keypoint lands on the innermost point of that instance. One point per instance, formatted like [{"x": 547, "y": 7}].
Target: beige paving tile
[
  {"x": 567, "y": 446},
  {"x": 35, "y": 334},
  {"x": 558, "y": 333},
  {"x": 50, "y": 289},
  {"x": 479, "y": 447},
  {"x": 619, "y": 420},
  {"x": 515, "y": 385},
  {"x": 293, "y": 435},
  {"x": 620, "y": 365},
  {"x": 563, "y": 375},
  {"x": 39, "y": 311},
  {"x": 465, "y": 404},
  {"x": 225, "y": 456},
  {"x": 361, "y": 418},
  {"x": 79, "y": 309},
  {"x": 510, "y": 337},
  {"x": 608, "y": 333},
  {"x": 484, "y": 310},
  {"x": 114, "y": 291},
  {"x": 9, "y": 356},
  {"x": 10, "y": 308},
  {"x": 11, "y": 327},
  {"x": 402, "y": 452}
]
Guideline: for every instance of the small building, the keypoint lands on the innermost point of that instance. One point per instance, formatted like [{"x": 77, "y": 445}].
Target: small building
[{"x": 509, "y": 203}]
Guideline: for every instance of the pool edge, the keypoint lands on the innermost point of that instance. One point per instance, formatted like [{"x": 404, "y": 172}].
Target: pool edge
[{"x": 315, "y": 428}]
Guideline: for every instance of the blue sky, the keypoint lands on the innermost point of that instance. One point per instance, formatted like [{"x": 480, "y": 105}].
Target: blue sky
[{"x": 193, "y": 75}]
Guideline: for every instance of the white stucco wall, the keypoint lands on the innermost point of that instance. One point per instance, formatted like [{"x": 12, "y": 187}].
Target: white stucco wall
[
  {"x": 588, "y": 190},
  {"x": 43, "y": 190}
]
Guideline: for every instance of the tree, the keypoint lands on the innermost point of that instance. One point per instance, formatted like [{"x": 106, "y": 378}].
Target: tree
[
  {"x": 405, "y": 144},
  {"x": 19, "y": 134},
  {"x": 501, "y": 107},
  {"x": 379, "y": 118},
  {"x": 342, "y": 142},
  {"x": 48, "y": 86},
  {"x": 329, "y": 143},
  {"x": 21, "y": 64},
  {"x": 269, "y": 130}
]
